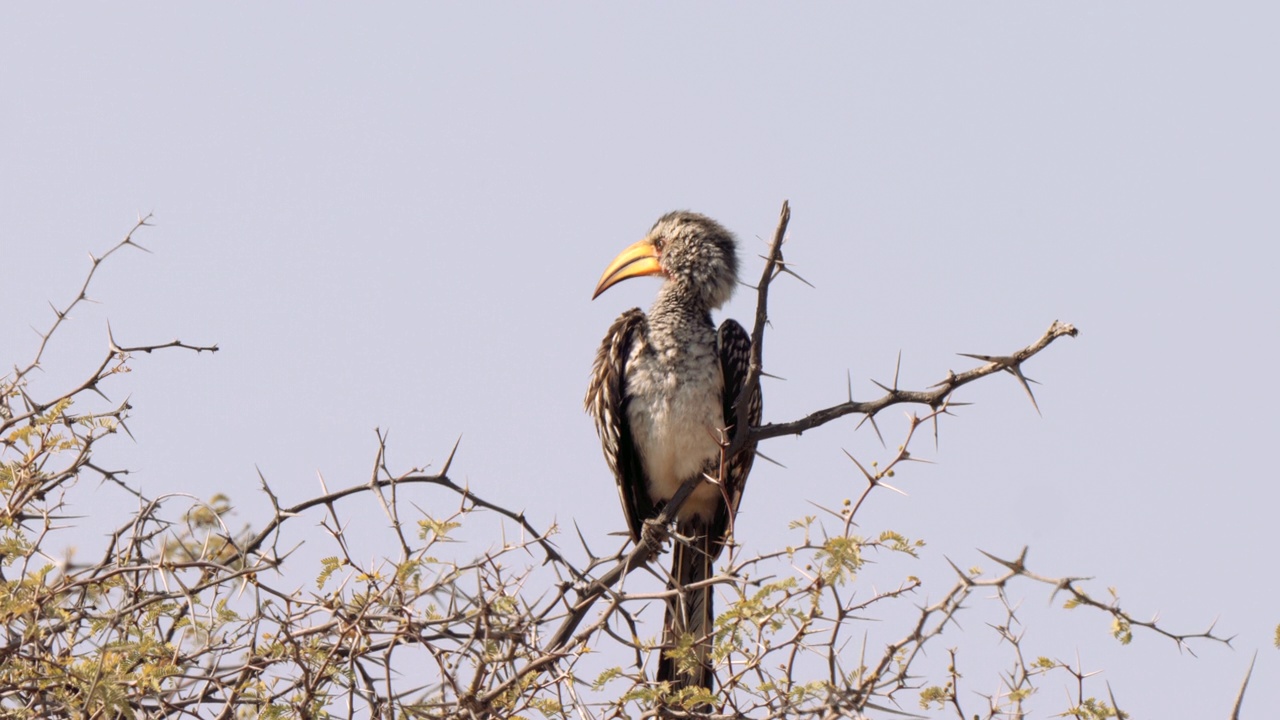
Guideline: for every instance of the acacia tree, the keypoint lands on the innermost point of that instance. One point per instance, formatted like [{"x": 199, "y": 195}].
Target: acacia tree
[{"x": 182, "y": 615}]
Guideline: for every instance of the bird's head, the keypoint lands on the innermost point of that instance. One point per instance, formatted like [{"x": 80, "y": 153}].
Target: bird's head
[{"x": 692, "y": 251}]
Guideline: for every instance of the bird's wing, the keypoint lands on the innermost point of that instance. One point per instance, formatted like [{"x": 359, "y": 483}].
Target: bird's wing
[
  {"x": 734, "y": 345},
  {"x": 607, "y": 403}
]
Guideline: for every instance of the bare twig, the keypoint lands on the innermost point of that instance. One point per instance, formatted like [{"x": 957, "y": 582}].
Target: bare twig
[{"x": 186, "y": 617}]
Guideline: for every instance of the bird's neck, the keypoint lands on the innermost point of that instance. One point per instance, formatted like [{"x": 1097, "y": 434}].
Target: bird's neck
[{"x": 677, "y": 304}]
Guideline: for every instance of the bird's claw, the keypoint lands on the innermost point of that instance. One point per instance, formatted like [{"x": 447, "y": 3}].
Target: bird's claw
[{"x": 653, "y": 536}]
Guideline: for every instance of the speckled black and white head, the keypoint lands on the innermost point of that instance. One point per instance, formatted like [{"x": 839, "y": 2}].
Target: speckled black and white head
[{"x": 696, "y": 254}]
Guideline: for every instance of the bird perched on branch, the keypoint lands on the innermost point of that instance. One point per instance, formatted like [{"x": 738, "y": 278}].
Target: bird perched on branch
[{"x": 663, "y": 393}]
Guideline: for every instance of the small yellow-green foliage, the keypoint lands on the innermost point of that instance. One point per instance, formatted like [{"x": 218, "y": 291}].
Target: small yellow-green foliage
[
  {"x": 328, "y": 566},
  {"x": 689, "y": 698},
  {"x": 504, "y": 605},
  {"x": 28, "y": 596},
  {"x": 900, "y": 543},
  {"x": 644, "y": 693},
  {"x": 208, "y": 515},
  {"x": 409, "y": 574},
  {"x": 685, "y": 653},
  {"x": 548, "y": 707},
  {"x": 40, "y": 437},
  {"x": 276, "y": 712},
  {"x": 507, "y": 700},
  {"x": 802, "y": 524},
  {"x": 604, "y": 678},
  {"x": 440, "y": 528},
  {"x": 13, "y": 546},
  {"x": 935, "y": 694},
  {"x": 225, "y": 613},
  {"x": 367, "y": 577},
  {"x": 800, "y": 692},
  {"x": 1020, "y": 694},
  {"x": 765, "y": 611},
  {"x": 1122, "y": 631},
  {"x": 1092, "y": 709},
  {"x": 841, "y": 558}
]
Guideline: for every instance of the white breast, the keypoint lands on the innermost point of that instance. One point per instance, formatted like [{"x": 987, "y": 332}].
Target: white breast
[{"x": 676, "y": 414}]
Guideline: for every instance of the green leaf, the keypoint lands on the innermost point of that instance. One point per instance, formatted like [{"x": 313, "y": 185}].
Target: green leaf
[{"x": 330, "y": 565}]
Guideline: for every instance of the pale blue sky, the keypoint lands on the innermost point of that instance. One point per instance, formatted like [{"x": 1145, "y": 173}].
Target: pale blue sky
[{"x": 394, "y": 216}]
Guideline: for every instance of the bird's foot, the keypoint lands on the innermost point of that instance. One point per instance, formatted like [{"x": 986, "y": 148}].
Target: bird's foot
[{"x": 653, "y": 536}]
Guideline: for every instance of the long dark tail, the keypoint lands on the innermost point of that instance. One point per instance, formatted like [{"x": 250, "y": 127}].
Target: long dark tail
[{"x": 690, "y": 615}]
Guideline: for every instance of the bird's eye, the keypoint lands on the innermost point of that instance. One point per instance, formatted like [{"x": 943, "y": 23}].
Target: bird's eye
[{"x": 659, "y": 244}]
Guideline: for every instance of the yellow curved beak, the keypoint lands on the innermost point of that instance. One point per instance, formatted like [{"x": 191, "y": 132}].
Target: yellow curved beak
[{"x": 638, "y": 259}]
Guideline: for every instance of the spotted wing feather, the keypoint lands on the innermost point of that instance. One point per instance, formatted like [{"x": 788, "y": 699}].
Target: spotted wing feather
[
  {"x": 607, "y": 403},
  {"x": 734, "y": 345}
]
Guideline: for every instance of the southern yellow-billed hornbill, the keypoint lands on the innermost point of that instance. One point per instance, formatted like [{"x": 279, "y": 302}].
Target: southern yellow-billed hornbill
[{"x": 662, "y": 394}]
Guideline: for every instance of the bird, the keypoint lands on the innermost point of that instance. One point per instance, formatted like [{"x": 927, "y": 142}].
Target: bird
[{"x": 662, "y": 394}]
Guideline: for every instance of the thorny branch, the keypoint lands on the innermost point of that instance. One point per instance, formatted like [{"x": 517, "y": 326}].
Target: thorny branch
[
  {"x": 113, "y": 363},
  {"x": 933, "y": 398},
  {"x": 190, "y": 617}
]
